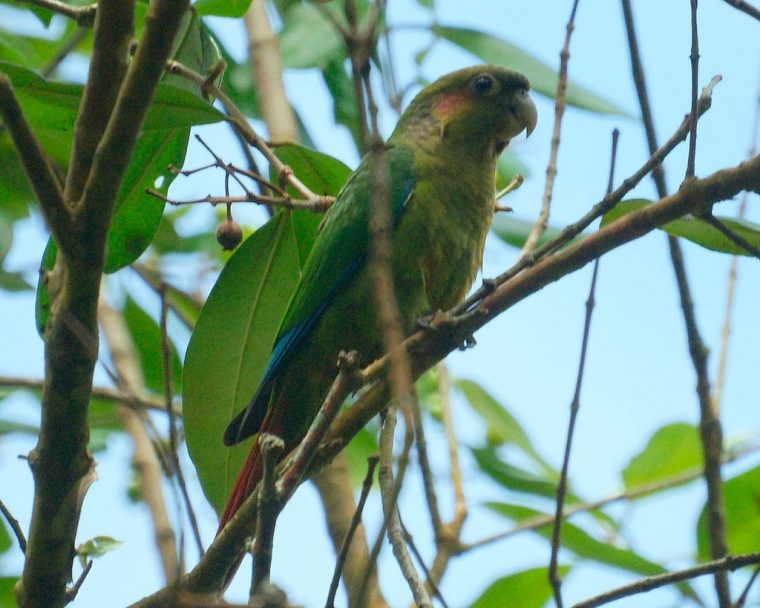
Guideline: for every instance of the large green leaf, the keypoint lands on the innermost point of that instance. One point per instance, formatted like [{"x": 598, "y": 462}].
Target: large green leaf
[
  {"x": 306, "y": 22},
  {"x": 543, "y": 79},
  {"x": 7, "y": 595},
  {"x": 230, "y": 347},
  {"x": 696, "y": 230},
  {"x": 526, "y": 589},
  {"x": 223, "y": 8},
  {"x": 146, "y": 335},
  {"x": 673, "y": 449},
  {"x": 322, "y": 174},
  {"x": 54, "y": 105},
  {"x": 502, "y": 427},
  {"x": 586, "y": 546},
  {"x": 196, "y": 48},
  {"x": 741, "y": 496},
  {"x": 138, "y": 214}
]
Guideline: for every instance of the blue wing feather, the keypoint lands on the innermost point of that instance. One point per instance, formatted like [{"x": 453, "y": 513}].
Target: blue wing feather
[{"x": 339, "y": 252}]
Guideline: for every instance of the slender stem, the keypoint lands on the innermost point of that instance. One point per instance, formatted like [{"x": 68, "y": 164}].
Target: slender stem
[
  {"x": 559, "y": 110},
  {"x": 269, "y": 509},
  {"x": 660, "y": 580},
  {"x": 355, "y": 521}
]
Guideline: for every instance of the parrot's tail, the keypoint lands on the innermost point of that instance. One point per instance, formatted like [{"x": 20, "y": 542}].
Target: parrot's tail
[
  {"x": 249, "y": 476},
  {"x": 247, "y": 480}
]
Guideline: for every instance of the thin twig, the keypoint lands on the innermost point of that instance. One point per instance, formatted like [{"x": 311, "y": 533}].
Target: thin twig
[
  {"x": 735, "y": 238},
  {"x": 559, "y": 110},
  {"x": 660, "y": 580},
  {"x": 355, "y": 521},
  {"x": 390, "y": 510},
  {"x": 15, "y": 526},
  {"x": 694, "y": 58},
  {"x": 745, "y": 7},
  {"x": 732, "y": 273},
  {"x": 271, "y": 448},
  {"x": 742, "y": 599},
  {"x": 427, "y": 473},
  {"x": 710, "y": 429},
  {"x": 72, "y": 592},
  {"x": 105, "y": 393},
  {"x": 319, "y": 204},
  {"x": 173, "y": 439},
  {"x": 430, "y": 582},
  {"x": 554, "y": 574},
  {"x": 541, "y": 521},
  {"x": 37, "y": 166},
  {"x": 236, "y": 117},
  {"x": 84, "y": 16}
]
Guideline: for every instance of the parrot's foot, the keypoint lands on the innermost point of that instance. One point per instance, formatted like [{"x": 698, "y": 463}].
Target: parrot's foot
[{"x": 441, "y": 321}]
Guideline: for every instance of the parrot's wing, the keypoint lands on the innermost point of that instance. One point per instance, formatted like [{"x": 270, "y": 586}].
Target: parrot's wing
[{"x": 339, "y": 252}]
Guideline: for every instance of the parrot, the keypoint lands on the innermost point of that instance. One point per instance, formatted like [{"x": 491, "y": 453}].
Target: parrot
[{"x": 441, "y": 160}]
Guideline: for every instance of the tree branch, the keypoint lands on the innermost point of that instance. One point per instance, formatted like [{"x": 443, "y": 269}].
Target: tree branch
[
  {"x": 660, "y": 580},
  {"x": 37, "y": 166},
  {"x": 114, "y": 29}
]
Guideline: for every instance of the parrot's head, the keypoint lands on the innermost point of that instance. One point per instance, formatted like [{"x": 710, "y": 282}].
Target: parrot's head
[{"x": 480, "y": 108}]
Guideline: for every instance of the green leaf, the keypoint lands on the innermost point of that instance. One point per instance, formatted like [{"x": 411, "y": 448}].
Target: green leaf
[
  {"x": 526, "y": 589},
  {"x": 5, "y": 537},
  {"x": 146, "y": 336},
  {"x": 503, "y": 428},
  {"x": 586, "y": 546},
  {"x": 322, "y": 174},
  {"x": 306, "y": 22},
  {"x": 222, "y": 8},
  {"x": 194, "y": 47},
  {"x": 673, "y": 449},
  {"x": 512, "y": 477},
  {"x": 543, "y": 79},
  {"x": 7, "y": 594},
  {"x": 43, "y": 300},
  {"x": 514, "y": 231},
  {"x": 345, "y": 105},
  {"x": 138, "y": 214},
  {"x": 508, "y": 167},
  {"x": 230, "y": 347},
  {"x": 13, "y": 281},
  {"x": 696, "y": 230},
  {"x": 54, "y": 105},
  {"x": 741, "y": 496},
  {"x": 96, "y": 547},
  {"x": 363, "y": 445},
  {"x": 7, "y": 427}
]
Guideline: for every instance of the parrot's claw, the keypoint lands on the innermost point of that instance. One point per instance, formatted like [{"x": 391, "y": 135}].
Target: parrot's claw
[
  {"x": 442, "y": 321},
  {"x": 436, "y": 321},
  {"x": 469, "y": 342}
]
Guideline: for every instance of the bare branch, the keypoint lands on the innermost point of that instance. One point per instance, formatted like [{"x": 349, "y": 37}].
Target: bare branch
[
  {"x": 84, "y": 16},
  {"x": 559, "y": 110},
  {"x": 347, "y": 541},
  {"x": 745, "y": 7},
  {"x": 114, "y": 29},
  {"x": 269, "y": 509},
  {"x": 660, "y": 580},
  {"x": 37, "y": 166},
  {"x": 13, "y": 523}
]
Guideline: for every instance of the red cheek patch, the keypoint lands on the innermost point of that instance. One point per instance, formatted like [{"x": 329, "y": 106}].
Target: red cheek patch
[{"x": 448, "y": 104}]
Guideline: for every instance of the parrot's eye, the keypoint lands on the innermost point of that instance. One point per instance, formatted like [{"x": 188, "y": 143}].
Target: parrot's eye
[{"x": 483, "y": 83}]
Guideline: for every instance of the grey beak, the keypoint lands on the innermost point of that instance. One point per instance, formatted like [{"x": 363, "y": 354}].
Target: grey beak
[{"x": 526, "y": 111}]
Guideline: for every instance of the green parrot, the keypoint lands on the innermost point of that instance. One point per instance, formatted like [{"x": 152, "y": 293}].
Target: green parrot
[{"x": 442, "y": 162}]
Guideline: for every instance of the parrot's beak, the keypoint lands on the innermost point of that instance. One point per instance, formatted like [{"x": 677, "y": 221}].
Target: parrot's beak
[{"x": 526, "y": 111}]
